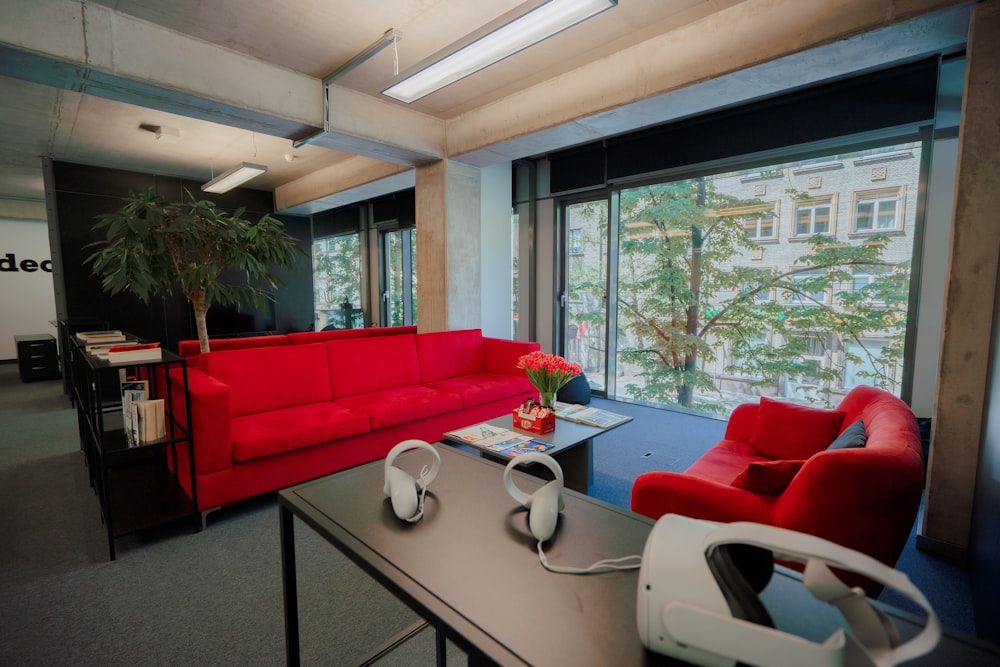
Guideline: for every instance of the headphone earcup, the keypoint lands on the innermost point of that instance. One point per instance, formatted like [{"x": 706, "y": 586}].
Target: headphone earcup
[
  {"x": 544, "y": 509},
  {"x": 401, "y": 489},
  {"x": 742, "y": 571}
]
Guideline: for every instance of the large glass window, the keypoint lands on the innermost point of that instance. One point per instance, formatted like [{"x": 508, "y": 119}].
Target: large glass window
[
  {"x": 337, "y": 282},
  {"x": 713, "y": 307}
]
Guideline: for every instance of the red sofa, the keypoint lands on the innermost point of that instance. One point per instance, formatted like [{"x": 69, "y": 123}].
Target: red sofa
[
  {"x": 774, "y": 467},
  {"x": 191, "y": 349},
  {"x": 269, "y": 417}
]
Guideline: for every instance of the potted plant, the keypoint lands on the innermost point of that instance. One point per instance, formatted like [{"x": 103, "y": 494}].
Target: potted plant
[{"x": 152, "y": 246}]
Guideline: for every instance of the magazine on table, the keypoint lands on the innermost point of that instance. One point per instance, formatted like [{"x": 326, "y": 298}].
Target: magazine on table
[
  {"x": 499, "y": 440},
  {"x": 581, "y": 414}
]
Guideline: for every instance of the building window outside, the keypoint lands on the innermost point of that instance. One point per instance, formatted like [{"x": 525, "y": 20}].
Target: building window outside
[
  {"x": 813, "y": 216},
  {"x": 862, "y": 362},
  {"x": 878, "y": 210}
]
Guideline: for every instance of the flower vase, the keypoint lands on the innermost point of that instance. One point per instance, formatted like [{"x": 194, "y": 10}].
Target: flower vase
[{"x": 548, "y": 399}]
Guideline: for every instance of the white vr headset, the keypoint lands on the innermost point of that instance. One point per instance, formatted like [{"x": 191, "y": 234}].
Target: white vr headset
[{"x": 698, "y": 598}]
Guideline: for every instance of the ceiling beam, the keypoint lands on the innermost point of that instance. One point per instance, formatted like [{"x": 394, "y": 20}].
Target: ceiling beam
[{"x": 95, "y": 50}]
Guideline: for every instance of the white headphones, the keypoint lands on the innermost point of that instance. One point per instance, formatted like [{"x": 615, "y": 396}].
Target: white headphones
[
  {"x": 698, "y": 598},
  {"x": 406, "y": 493},
  {"x": 545, "y": 503}
]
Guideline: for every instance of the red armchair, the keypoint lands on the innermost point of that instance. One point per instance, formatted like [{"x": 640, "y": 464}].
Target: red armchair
[{"x": 774, "y": 467}]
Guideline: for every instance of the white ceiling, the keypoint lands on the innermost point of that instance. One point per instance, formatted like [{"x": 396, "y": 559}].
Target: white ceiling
[{"x": 312, "y": 37}]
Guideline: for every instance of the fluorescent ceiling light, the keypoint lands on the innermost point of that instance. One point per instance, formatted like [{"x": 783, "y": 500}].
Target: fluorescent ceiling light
[
  {"x": 238, "y": 175},
  {"x": 493, "y": 43}
]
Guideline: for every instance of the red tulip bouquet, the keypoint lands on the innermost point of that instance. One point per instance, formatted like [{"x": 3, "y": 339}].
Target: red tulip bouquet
[{"x": 548, "y": 372}]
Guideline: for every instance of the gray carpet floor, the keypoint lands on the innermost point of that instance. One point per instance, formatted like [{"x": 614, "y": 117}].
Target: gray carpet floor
[{"x": 214, "y": 597}]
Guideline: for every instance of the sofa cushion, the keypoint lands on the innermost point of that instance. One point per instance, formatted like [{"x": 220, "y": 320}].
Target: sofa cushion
[
  {"x": 481, "y": 388},
  {"x": 268, "y": 433},
  {"x": 366, "y": 365},
  {"x": 448, "y": 354},
  {"x": 724, "y": 461},
  {"x": 390, "y": 407},
  {"x": 854, "y": 435},
  {"x": 271, "y": 378},
  {"x": 768, "y": 477},
  {"x": 789, "y": 431}
]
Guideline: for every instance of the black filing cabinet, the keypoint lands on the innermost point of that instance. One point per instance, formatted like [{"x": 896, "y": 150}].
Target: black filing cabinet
[{"x": 37, "y": 357}]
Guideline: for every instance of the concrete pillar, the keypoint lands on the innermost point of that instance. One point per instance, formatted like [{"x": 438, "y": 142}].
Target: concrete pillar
[
  {"x": 449, "y": 271},
  {"x": 970, "y": 297}
]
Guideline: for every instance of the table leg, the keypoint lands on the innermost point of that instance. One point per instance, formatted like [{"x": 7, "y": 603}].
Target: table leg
[
  {"x": 577, "y": 465},
  {"x": 442, "y": 648},
  {"x": 289, "y": 586}
]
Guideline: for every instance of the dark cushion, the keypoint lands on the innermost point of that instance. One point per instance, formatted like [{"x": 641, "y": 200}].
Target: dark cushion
[
  {"x": 768, "y": 477},
  {"x": 790, "y": 431},
  {"x": 576, "y": 390},
  {"x": 854, "y": 435}
]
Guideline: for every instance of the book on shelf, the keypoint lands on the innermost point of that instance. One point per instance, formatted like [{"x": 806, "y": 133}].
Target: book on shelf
[
  {"x": 150, "y": 422},
  {"x": 132, "y": 392},
  {"x": 102, "y": 348},
  {"x": 581, "y": 414},
  {"x": 498, "y": 440},
  {"x": 142, "y": 352},
  {"x": 110, "y": 336}
]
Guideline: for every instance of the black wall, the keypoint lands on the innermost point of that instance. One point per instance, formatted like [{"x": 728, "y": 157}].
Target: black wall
[{"x": 84, "y": 192}]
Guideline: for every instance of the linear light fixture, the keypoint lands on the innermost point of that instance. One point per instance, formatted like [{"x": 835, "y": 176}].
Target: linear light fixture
[
  {"x": 238, "y": 175},
  {"x": 513, "y": 32}
]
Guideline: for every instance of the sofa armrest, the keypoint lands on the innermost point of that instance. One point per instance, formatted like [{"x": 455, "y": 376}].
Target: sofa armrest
[
  {"x": 860, "y": 499},
  {"x": 502, "y": 354},
  {"x": 661, "y": 492},
  {"x": 742, "y": 422},
  {"x": 212, "y": 417}
]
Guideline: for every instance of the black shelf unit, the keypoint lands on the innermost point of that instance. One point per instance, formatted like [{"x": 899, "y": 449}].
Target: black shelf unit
[
  {"x": 138, "y": 486},
  {"x": 65, "y": 329}
]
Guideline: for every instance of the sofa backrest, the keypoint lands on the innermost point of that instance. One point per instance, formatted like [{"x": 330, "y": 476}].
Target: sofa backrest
[
  {"x": 364, "y": 365},
  {"x": 448, "y": 354},
  {"x": 191, "y": 348},
  {"x": 263, "y": 379},
  {"x": 306, "y": 337}
]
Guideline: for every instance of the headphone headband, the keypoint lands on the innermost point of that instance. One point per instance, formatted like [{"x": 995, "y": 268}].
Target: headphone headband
[
  {"x": 407, "y": 445},
  {"x": 533, "y": 457}
]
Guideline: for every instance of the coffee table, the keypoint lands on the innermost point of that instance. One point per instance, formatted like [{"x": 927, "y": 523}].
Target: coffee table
[
  {"x": 469, "y": 568},
  {"x": 572, "y": 449}
]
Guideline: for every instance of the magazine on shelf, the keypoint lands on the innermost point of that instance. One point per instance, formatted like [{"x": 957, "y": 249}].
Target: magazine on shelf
[
  {"x": 132, "y": 392},
  {"x": 499, "y": 440},
  {"x": 150, "y": 422},
  {"x": 581, "y": 414}
]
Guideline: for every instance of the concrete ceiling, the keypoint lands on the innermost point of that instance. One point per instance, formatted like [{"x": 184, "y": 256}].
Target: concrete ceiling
[{"x": 279, "y": 49}]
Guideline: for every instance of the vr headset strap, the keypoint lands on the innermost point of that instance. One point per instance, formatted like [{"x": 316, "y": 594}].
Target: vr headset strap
[{"x": 867, "y": 623}]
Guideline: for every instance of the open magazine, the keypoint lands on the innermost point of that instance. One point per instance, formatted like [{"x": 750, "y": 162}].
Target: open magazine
[
  {"x": 497, "y": 440},
  {"x": 581, "y": 414}
]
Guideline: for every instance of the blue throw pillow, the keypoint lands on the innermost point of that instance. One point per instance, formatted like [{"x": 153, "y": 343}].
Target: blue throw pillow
[{"x": 854, "y": 435}]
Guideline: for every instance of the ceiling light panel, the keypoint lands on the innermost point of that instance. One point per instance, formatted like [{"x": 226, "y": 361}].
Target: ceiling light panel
[{"x": 511, "y": 33}]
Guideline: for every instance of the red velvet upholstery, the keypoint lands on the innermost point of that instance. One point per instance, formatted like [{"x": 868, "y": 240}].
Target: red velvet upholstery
[
  {"x": 364, "y": 365},
  {"x": 278, "y": 369},
  {"x": 448, "y": 354},
  {"x": 267, "y": 418},
  {"x": 865, "y": 498}
]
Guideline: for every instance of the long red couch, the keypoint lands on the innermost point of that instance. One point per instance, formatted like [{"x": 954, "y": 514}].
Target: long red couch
[
  {"x": 775, "y": 466},
  {"x": 269, "y": 417}
]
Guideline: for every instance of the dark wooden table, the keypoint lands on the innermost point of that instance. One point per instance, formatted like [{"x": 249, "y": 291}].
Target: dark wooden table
[{"x": 470, "y": 569}]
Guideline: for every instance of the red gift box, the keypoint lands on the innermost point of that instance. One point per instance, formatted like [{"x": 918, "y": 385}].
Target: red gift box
[{"x": 534, "y": 420}]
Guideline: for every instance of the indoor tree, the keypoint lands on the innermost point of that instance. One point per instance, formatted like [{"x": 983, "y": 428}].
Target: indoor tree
[{"x": 152, "y": 247}]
